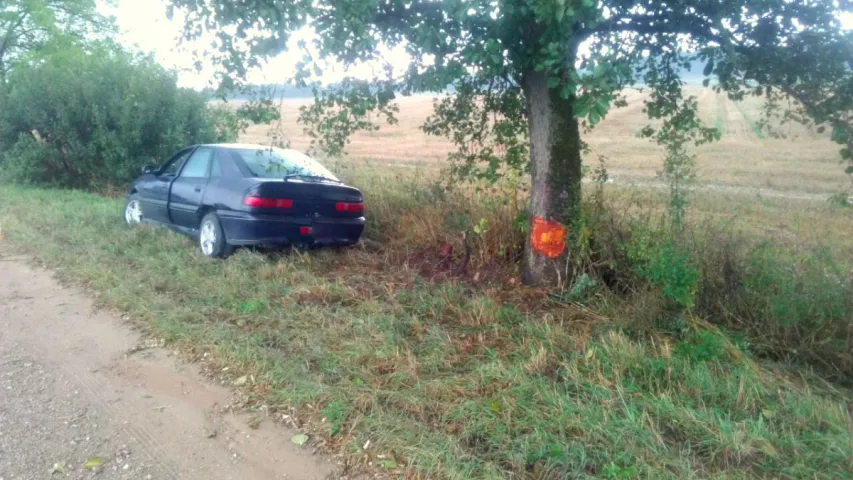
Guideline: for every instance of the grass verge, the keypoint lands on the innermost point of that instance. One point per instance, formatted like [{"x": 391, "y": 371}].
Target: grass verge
[{"x": 446, "y": 380}]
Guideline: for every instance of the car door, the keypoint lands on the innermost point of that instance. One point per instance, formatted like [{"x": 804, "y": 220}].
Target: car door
[
  {"x": 154, "y": 194},
  {"x": 188, "y": 189}
]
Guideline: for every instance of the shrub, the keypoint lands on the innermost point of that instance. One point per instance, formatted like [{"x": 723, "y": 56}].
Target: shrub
[{"x": 93, "y": 119}]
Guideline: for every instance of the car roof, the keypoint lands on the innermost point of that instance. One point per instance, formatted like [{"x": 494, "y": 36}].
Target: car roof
[{"x": 236, "y": 146}]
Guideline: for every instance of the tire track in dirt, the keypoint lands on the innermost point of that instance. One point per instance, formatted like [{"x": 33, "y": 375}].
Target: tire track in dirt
[{"x": 147, "y": 444}]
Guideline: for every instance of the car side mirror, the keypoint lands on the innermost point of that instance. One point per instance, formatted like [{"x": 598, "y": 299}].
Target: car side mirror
[{"x": 149, "y": 169}]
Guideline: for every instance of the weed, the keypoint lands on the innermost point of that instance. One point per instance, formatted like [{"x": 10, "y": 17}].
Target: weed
[
  {"x": 583, "y": 287},
  {"x": 251, "y": 306},
  {"x": 334, "y": 414},
  {"x": 671, "y": 270}
]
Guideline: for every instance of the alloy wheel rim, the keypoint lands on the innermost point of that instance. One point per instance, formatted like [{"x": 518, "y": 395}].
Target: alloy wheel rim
[
  {"x": 133, "y": 212},
  {"x": 207, "y": 238}
]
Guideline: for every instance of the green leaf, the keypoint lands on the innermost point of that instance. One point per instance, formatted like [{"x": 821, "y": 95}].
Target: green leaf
[
  {"x": 849, "y": 170},
  {"x": 93, "y": 463},
  {"x": 59, "y": 467},
  {"x": 561, "y": 8},
  {"x": 601, "y": 107},
  {"x": 839, "y": 135},
  {"x": 299, "y": 439},
  {"x": 594, "y": 118},
  {"x": 582, "y": 109},
  {"x": 388, "y": 463},
  {"x": 709, "y": 67},
  {"x": 706, "y": 82},
  {"x": 553, "y": 82}
]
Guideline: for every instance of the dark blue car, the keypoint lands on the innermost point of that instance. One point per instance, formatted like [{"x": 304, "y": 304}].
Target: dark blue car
[{"x": 231, "y": 195}]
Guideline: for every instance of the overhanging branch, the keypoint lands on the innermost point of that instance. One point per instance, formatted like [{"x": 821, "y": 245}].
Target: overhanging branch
[{"x": 655, "y": 25}]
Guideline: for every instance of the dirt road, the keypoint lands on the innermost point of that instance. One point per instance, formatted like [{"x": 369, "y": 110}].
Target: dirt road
[{"x": 75, "y": 385}]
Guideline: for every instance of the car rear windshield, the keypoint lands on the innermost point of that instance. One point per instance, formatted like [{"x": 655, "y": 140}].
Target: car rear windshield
[{"x": 281, "y": 163}]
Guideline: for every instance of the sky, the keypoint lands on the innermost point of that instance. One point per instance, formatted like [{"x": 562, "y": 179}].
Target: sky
[{"x": 143, "y": 24}]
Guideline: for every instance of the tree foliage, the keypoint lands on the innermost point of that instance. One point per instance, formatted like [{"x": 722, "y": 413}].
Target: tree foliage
[
  {"x": 481, "y": 48},
  {"x": 32, "y": 27},
  {"x": 92, "y": 119},
  {"x": 527, "y": 73}
]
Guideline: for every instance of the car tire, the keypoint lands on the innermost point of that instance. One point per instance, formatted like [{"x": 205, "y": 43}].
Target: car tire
[
  {"x": 133, "y": 210},
  {"x": 211, "y": 238}
]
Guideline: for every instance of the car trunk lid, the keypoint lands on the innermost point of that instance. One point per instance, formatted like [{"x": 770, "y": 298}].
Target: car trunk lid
[{"x": 307, "y": 198}]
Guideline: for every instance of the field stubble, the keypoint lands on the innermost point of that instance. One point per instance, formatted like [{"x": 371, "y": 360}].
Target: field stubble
[{"x": 804, "y": 162}]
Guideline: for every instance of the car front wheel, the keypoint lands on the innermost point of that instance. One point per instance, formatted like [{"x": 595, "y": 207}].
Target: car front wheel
[{"x": 211, "y": 238}]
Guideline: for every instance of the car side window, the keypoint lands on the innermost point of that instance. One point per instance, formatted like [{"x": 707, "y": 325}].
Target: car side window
[
  {"x": 174, "y": 165},
  {"x": 196, "y": 166},
  {"x": 215, "y": 167}
]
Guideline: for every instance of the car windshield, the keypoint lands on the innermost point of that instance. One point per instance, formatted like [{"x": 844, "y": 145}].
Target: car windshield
[{"x": 282, "y": 163}]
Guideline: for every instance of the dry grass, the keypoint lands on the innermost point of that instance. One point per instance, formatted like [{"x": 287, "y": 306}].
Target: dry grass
[
  {"x": 804, "y": 162},
  {"x": 791, "y": 223}
]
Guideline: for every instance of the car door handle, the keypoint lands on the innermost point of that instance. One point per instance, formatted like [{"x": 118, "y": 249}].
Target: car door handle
[{"x": 198, "y": 189}]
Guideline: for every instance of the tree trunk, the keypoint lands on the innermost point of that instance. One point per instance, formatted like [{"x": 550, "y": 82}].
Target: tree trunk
[{"x": 555, "y": 197}]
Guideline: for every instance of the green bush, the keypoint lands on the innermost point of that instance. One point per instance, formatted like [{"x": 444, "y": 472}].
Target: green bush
[
  {"x": 670, "y": 269},
  {"x": 92, "y": 119}
]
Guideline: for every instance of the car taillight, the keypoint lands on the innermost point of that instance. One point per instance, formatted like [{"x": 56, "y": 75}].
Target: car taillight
[
  {"x": 306, "y": 231},
  {"x": 261, "y": 202},
  {"x": 349, "y": 207}
]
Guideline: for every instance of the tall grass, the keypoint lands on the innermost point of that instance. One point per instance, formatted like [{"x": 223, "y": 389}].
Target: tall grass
[
  {"x": 793, "y": 304},
  {"x": 456, "y": 377},
  {"x": 467, "y": 230}
]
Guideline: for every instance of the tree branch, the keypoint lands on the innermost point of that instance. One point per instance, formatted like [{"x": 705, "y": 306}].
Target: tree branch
[
  {"x": 655, "y": 25},
  {"x": 8, "y": 37}
]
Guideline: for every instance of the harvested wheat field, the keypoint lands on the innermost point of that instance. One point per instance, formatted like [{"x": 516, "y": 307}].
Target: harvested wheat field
[{"x": 746, "y": 157}]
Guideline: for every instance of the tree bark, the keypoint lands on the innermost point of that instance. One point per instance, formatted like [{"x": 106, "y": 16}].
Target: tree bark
[{"x": 555, "y": 197}]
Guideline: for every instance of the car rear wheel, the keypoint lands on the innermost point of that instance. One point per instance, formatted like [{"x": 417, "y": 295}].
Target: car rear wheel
[
  {"x": 211, "y": 238},
  {"x": 133, "y": 210}
]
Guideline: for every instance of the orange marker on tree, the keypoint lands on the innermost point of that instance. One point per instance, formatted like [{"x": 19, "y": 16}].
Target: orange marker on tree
[{"x": 548, "y": 238}]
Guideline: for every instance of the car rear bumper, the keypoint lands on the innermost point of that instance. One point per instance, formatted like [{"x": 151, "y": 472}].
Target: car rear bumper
[{"x": 245, "y": 229}]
